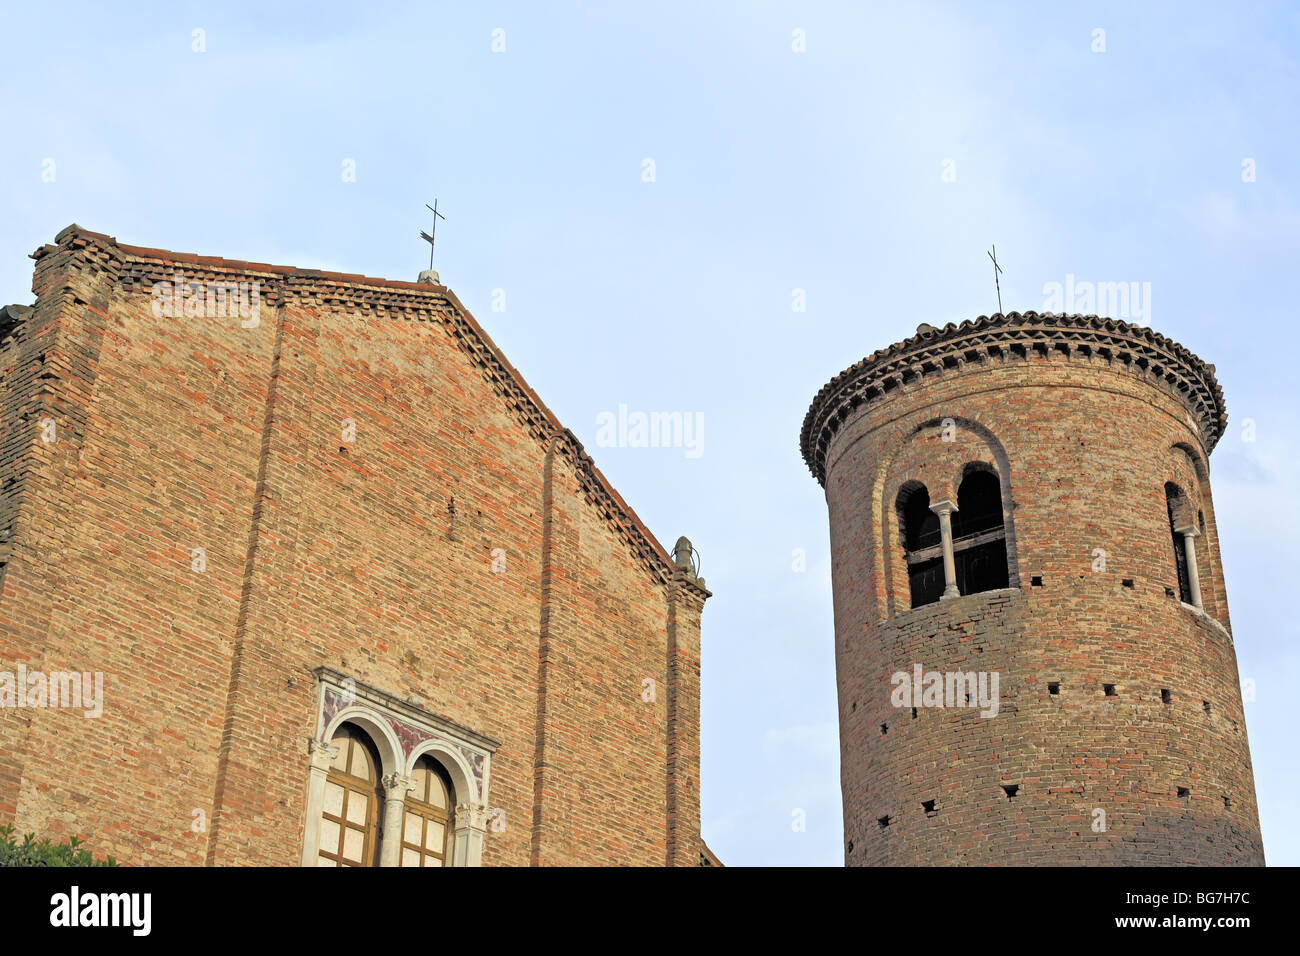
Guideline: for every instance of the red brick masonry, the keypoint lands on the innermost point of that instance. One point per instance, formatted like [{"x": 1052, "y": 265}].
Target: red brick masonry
[
  {"x": 371, "y": 556},
  {"x": 1084, "y": 420}
]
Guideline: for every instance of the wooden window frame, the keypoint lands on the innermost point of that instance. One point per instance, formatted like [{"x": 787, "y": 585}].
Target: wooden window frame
[
  {"x": 355, "y": 740},
  {"x": 428, "y": 813}
]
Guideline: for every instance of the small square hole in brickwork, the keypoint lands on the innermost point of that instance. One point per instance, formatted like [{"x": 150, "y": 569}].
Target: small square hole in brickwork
[
  {"x": 883, "y": 822},
  {"x": 1165, "y": 696},
  {"x": 855, "y": 705},
  {"x": 1128, "y": 583},
  {"x": 914, "y": 713},
  {"x": 928, "y": 807},
  {"x": 1227, "y": 803},
  {"x": 343, "y": 450},
  {"x": 1011, "y": 789},
  {"x": 1206, "y": 705},
  {"x": 850, "y": 846},
  {"x": 1054, "y": 688},
  {"x": 884, "y": 729},
  {"x": 1109, "y": 689},
  {"x": 1169, "y": 592},
  {"x": 1036, "y": 581},
  {"x": 1184, "y": 793}
]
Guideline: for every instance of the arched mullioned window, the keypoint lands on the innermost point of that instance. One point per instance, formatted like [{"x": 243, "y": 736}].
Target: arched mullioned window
[
  {"x": 427, "y": 815},
  {"x": 373, "y": 757},
  {"x": 919, "y": 530},
  {"x": 1174, "y": 504},
  {"x": 350, "y": 816},
  {"x": 979, "y": 537}
]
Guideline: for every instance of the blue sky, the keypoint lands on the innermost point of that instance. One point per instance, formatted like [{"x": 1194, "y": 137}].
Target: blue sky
[{"x": 774, "y": 171}]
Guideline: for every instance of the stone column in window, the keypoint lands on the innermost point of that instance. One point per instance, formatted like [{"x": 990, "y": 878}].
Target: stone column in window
[
  {"x": 471, "y": 824},
  {"x": 944, "y": 510},
  {"x": 395, "y": 789},
  {"x": 322, "y": 755},
  {"x": 1189, "y": 534}
]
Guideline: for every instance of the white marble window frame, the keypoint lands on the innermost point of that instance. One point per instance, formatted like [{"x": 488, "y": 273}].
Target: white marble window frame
[{"x": 402, "y": 733}]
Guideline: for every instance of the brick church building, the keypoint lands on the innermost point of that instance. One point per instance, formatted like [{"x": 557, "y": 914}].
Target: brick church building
[{"x": 295, "y": 568}]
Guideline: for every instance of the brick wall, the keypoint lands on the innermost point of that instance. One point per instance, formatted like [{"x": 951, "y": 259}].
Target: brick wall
[
  {"x": 372, "y": 556},
  {"x": 1084, "y": 444}
]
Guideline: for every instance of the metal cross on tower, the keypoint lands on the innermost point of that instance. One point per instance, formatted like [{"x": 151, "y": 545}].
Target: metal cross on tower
[
  {"x": 428, "y": 236},
  {"x": 996, "y": 269}
]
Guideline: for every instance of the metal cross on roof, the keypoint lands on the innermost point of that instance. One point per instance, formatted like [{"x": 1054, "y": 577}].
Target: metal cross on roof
[
  {"x": 996, "y": 269},
  {"x": 428, "y": 236}
]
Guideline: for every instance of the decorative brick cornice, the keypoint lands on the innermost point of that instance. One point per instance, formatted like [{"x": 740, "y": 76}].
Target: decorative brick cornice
[
  {"x": 601, "y": 495},
  {"x": 137, "y": 266},
  {"x": 991, "y": 341}
]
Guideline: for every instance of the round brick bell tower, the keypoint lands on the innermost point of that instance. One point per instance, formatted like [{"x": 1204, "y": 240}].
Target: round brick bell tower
[{"x": 1033, "y": 652}]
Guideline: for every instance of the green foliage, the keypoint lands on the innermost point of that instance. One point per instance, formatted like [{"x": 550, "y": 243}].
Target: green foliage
[{"x": 32, "y": 852}]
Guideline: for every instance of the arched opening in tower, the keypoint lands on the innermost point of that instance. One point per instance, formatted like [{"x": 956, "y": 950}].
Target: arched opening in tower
[
  {"x": 979, "y": 538},
  {"x": 922, "y": 543},
  {"x": 1175, "y": 504}
]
